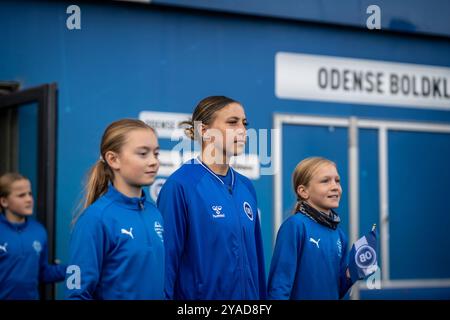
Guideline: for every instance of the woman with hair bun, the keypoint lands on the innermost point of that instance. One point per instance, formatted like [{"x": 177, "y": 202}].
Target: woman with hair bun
[{"x": 213, "y": 236}]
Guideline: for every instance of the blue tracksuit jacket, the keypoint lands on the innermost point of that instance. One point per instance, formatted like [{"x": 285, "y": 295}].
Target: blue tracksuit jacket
[
  {"x": 117, "y": 244},
  {"x": 309, "y": 261},
  {"x": 213, "y": 237},
  {"x": 24, "y": 260}
]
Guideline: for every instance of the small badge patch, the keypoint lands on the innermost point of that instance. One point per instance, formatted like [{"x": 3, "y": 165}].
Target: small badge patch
[
  {"x": 37, "y": 246},
  {"x": 339, "y": 248},
  {"x": 248, "y": 210},
  {"x": 159, "y": 230}
]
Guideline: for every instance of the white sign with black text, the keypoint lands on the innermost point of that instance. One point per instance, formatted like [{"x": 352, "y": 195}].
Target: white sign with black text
[
  {"x": 166, "y": 124},
  {"x": 317, "y": 77}
]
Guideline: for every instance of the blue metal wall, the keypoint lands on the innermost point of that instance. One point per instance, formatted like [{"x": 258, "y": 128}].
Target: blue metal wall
[
  {"x": 130, "y": 58},
  {"x": 415, "y": 16}
]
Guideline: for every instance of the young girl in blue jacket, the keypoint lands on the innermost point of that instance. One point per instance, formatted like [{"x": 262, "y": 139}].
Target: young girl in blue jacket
[
  {"x": 213, "y": 235},
  {"x": 310, "y": 256},
  {"x": 23, "y": 243},
  {"x": 116, "y": 249}
]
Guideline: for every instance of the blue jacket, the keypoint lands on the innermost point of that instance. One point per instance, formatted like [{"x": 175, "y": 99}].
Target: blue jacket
[
  {"x": 309, "y": 261},
  {"x": 213, "y": 236},
  {"x": 24, "y": 260},
  {"x": 117, "y": 244}
]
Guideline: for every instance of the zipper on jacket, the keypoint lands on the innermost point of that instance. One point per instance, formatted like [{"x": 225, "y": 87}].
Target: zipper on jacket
[
  {"x": 22, "y": 250},
  {"x": 140, "y": 213},
  {"x": 238, "y": 216},
  {"x": 241, "y": 247}
]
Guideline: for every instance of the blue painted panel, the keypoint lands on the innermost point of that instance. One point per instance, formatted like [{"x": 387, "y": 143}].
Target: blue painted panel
[
  {"x": 419, "y": 183},
  {"x": 369, "y": 195},
  {"x": 417, "y": 16}
]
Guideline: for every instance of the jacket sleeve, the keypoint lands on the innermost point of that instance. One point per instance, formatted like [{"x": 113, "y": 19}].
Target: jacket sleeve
[
  {"x": 284, "y": 261},
  {"x": 261, "y": 261},
  {"x": 172, "y": 204},
  {"x": 87, "y": 247},
  {"x": 50, "y": 272},
  {"x": 344, "y": 282}
]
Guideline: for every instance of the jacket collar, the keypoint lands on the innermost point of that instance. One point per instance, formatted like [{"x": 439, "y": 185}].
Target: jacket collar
[
  {"x": 135, "y": 203},
  {"x": 199, "y": 161},
  {"x": 14, "y": 226}
]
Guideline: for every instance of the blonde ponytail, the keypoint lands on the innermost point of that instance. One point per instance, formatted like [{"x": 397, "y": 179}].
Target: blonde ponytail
[{"x": 99, "y": 177}]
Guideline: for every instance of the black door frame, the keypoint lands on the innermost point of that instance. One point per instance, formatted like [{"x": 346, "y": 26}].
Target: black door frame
[{"x": 46, "y": 98}]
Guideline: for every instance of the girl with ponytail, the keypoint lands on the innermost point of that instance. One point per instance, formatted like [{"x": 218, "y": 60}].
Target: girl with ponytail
[{"x": 116, "y": 248}]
